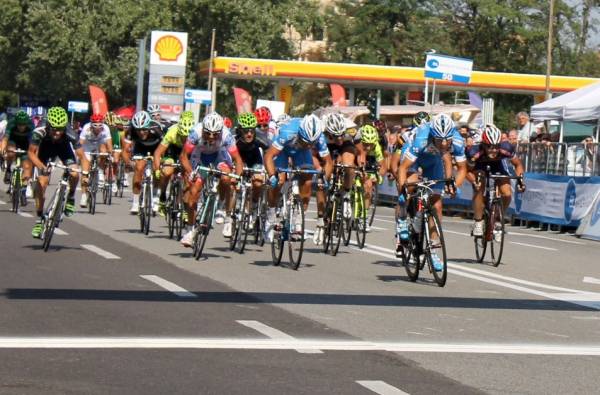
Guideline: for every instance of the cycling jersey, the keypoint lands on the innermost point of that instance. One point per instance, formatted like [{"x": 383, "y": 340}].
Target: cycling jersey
[
  {"x": 91, "y": 141},
  {"x": 287, "y": 142},
  {"x": 115, "y": 136},
  {"x": 251, "y": 153},
  {"x": 216, "y": 153},
  {"x": 478, "y": 160},
  {"x": 174, "y": 141},
  {"x": 376, "y": 153},
  {"x": 18, "y": 138},
  {"x": 50, "y": 149}
]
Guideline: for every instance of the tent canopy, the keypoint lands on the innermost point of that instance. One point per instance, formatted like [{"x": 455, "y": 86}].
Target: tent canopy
[{"x": 579, "y": 105}]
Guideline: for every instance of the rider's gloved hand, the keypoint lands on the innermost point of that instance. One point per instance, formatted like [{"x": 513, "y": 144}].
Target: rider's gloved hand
[
  {"x": 157, "y": 174},
  {"x": 450, "y": 188},
  {"x": 273, "y": 181},
  {"x": 521, "y": 184}
]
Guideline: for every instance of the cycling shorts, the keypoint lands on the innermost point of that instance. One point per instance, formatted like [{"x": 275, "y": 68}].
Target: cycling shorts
[{"x": 300, "y": 158}]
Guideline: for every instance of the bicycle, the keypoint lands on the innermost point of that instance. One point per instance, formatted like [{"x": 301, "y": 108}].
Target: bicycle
[
  {"x": 373, "y": 171},
  {"x": 146, "y": 195},
  {"x": 333, "y": 218},
  {"x": 16, "y": 187},
  {"x": 92, "y": 188},
  {"x": 290, "y": 210},
  {"x": 108, "y": 183},
  {"x": 419, "y": 247},
  {"x": 493, "y": 219},
  {"x": 54, "y": 213},
  {"x": 174, "y": 207},
  {"x": 358, "y": 218},
  {"x": 121, "y": 176},
  {"x": 245, "y": 211}
]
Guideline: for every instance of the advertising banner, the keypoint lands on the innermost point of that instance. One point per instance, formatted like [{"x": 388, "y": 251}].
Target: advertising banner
[
  {"x": 276, "y": 107},
  {"x": 590, "y": 224},
  {"x": 98, "y": 98},
  {"x": 285, "y": 95},
  {"x": 443, "y": 67},
  {"x": 168, "y": 48},
  {"x": 78, "y": 106},
  {"x": 198, "y": 96},
  {"x": 243, "y": 100},
  {"x": 338, "y": 95}
]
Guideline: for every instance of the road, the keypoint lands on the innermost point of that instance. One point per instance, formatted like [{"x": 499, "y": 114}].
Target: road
[{"x": 108, "y": 310}]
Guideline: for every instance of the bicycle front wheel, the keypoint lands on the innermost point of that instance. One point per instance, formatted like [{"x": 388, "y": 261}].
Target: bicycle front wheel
[
  {"x": 52, "y": 218},
  {"x": 374, "y": 201},
  {"x": 496, "y": 223},
  {"x": 245, "y": 222},
  {"x": 482, "y": 241},
  {"x": 436, "y": 248},
  {"x": 296, "y": 233},
  {"x": 360, "y": 219},
  {"x": 203, "y": 223},
  {"x": 16, "y": 190}
]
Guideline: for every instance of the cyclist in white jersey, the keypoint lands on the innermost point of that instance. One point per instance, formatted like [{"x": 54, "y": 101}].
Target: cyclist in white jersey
[{"x": 95, "y": 137}]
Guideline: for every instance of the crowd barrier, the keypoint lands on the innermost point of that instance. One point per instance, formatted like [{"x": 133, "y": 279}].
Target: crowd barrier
[{"x": 567, "y": 159}]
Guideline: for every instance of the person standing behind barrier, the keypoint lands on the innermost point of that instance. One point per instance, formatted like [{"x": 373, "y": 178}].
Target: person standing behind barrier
[
  {"x": 524, "y": 126},
  {"x": 589, "y": 164}
]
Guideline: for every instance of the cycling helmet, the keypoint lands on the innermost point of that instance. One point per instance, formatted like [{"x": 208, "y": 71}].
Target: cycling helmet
[
  {"x": 441, "y": 126},
  {"x": 186, "y": 114},
  {"x": 263, "y": 115},
  {"x": 141, "y": 120},
  {"x": 185, "y": 125},
  {"x": 96, "y": 118},
  {"x": 213, "y": 122},
  {"x": 110, "y": 118},
  {"x": 283, "y": 118},
  {"x": 335, "y": 124},
  {"x": 21, "y": 118},
  {"x": 247, "y": 120},
  {"x": 491, "y": 135},
  {"x": 368, "y": 134},
  {"x": 57, "y": 117},
  {"x": 311, "y": 128},
  {"x": 153, "y": 109},
  {"x": 227, "y": 122},
  {"x": 380, "y": 125},
  {"x": 420, "y": 118}
]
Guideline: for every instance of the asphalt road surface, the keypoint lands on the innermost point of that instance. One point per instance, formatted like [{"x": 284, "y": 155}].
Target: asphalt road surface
[{"x": 109, "y": 310}]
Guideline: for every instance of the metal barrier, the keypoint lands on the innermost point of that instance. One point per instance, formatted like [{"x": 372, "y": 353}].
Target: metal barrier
[{"x": 567, "y": 159}]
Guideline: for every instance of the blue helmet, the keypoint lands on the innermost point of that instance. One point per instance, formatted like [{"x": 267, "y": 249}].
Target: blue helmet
[
  {"x": 441, "y": 126},
  {"x": 311, "y": 128}
]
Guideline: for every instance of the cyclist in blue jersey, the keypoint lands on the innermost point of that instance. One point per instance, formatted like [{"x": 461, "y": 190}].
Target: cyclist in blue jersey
[
  {"x": 294, "y": 146},
  {"x": 434, "y": 145}
]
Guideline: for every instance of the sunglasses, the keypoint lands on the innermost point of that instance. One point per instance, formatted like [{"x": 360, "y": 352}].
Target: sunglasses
[
  {"x": 211, "y": 134},
  {"x": 263, "y": 126},
  {"x": 97, "y": 125},
  {"x": 58, "y": 129},
  {"x": 440, "y": 140},
  {"x": 248, "y": 130},
  {"x": 492, "y": 146}
]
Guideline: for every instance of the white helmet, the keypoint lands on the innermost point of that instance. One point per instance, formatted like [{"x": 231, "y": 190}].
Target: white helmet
[
  {"x": 335, "y": 124},
  {"x": 213, "y": 122},
  {"x": 153, "y": 109},
  {"x": 311, "y": 128},
  {"x": 441, "y": 126},
  {"x": 141, "y": 120}
]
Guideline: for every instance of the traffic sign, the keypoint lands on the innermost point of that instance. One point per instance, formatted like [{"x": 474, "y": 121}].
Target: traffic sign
[
  {"x": 443, "y": 67},
  {"x": 78, "y": 106},
  {"x": 198, "y": 96}
]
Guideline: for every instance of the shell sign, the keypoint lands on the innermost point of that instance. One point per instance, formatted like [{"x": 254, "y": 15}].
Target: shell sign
[{"x": 168, "y": 48}]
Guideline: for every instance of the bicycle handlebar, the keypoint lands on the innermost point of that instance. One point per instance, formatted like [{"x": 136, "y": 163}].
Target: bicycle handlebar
[
  {"x": 16, "y": 151},
  {"x": 98, "y": 153},
  {"x": 142, "y": 157},
  {"x": 212, "y": 170},
  {"x": 299, "y": 171},
  {"x": 60, "y": 166}
]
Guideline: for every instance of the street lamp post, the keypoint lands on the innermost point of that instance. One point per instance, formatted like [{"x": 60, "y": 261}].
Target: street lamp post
[{"x": 549, "y": 49}]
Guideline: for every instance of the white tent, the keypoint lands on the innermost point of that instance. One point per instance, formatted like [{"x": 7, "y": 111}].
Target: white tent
[{"x": 579, "y": 105}]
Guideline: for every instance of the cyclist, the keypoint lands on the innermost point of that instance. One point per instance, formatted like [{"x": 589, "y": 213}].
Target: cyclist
[
  {"x": 209, "y": 144},
  {"x": 265, "y": 122},
  {"x": 434, "y": 145},
  {"x": 115, "y": 124},
  {"x": 405, "y": 138},
  {"x": 228, "y": 123},
  {"x": 494, "y": 153},
  {"x": 373, "y": 158},
  {"x": 251, "y": 146},
  {"x": 95, "y": 137},
  {"x": 382, "y": 130},
  {"x": 295, "y": 142},
  {"x": 146, "y": 138},
  {"x": 169, "y": 150},
  {"x": 154, "y": 111},
  {"x": 51, "y": 140},
  {"x": 17, "y": 136}
]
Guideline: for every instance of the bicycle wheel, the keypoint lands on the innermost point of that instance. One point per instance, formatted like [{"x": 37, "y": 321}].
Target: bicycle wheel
[
  {"x": 260, "y": 217},
  {"x": 92, "y": 184},
  {"x": 411, "y": 253},
  {"x": 296, "y": 233},
  {"x": 235, "y": 222},
  {"x": 147, "y": 207},
  {"x": 142, "y": 212},
  {"x": 439, "y": 249},
  {"x": 328, "y": 220},
  {"x": 245, "y": 221},
  {"x": 481, "y": 242},
  {"x": 121, "y": 179},
  {"x": 170, "y": 214},
  {"x": 278, "y": 236},
  {"x": 16, "y": 189},
  {"x": 360, "y": 218},
  {"x": 496, "y": 223},
  {"x": 52, "y": 217},
  {"x": 203, "y": 222},
  {"x": 108, "y": 185},
  {"x": 179, "y": 210},
  {"x": 373, "y": 207},
  {"x": 337, "y": 228}
]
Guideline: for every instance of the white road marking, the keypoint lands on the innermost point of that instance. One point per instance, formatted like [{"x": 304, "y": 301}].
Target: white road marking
[
  {"x": 378, "y": 228},
  {"x": 293, "y": 344},
  {"x": 381, "y": 387},
  {"x": 591, "y": 280},
  {"x": 100, "y": 251},
  {"x": 546, "y": 237},
  {"x": 456, "y": 233},
  {"x": 61, "y": 232},
  {"x": 275, "y": 334},
  {"x": 169, "y": 286},
  {"x": 24, "y": 214},
  {"x": 534, "y": 246},
  {"x": 2, "y": 202}
]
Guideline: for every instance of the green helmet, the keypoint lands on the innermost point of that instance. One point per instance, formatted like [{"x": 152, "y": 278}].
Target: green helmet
[
  {"x": 185, "y": 125},
  {"x": 247, "y": 120},
  {"x": 186, "y": 114},
  {"x": 420, "y": 118},
  {"x": 368, "y": 134},
  {"x": 57, "y": 117},
  {"x": 21, "y": 118}
]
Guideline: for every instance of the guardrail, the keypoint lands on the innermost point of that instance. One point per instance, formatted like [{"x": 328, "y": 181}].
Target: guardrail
[{"x": 566, "y": 159}]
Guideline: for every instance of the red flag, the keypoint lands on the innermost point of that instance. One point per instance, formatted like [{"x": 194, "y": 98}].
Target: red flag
[
  {"x": 125, "y": 112},
  {"x": 338, "y": 95},
  {"x": 99, "y": 102},
  {"x": 243, "y": 100}
]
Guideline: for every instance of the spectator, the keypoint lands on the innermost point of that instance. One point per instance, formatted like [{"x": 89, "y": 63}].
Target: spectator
[
  {"x": 513, "y": 137},
  {"x": 504, "y": 137},
  {"x": 586, "y": 160},
  {"x": 525, "y": 127},
  {"x": 464, "y": 131}
]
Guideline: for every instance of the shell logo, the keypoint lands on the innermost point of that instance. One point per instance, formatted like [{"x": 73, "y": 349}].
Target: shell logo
[{"x": 168, "y": 48}]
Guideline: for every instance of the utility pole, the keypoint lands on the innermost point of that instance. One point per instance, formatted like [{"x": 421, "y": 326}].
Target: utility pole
[
  {"x": 210, "y": 73},
  {"x": 139, "y": 102},
  {"x": 549, "y": 49}
]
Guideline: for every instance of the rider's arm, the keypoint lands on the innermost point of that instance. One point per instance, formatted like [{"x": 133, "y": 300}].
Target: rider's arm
[
  {"x": 328, "y": 167},
  {"x": 3, "y": 144},
  {"x": 237, "y": 160},
  {"x": 516, "y": 162},
  {"x": 158, "y": 154},
  {"x": 460, "y": 174},
  {"x": 184, "y": 157},
  {"x": 32, "y": 154},
  {"x": 85, "y": 163},
  {"x": 271, "y": 153},
  {"x": 361, "y": 157},
  {"x": 405, "y": 164}
]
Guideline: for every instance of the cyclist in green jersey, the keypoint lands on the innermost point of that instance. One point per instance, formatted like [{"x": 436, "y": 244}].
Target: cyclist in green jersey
[{"x": 372, "y": 157}]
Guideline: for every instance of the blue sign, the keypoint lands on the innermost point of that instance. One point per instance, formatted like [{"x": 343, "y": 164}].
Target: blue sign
[
  {"x": 198, "y": 96},
  {"x": 78, "y": 106},
  {"x": 442, "y": 67}
]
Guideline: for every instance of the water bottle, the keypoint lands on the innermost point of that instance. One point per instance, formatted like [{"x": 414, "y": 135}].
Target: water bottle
[{"x": 418, "y": 221}]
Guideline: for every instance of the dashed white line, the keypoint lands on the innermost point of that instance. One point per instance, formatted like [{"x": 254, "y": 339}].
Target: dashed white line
[
  {"x": 534, "y": 246},
  {"x": 61, "y": 232},
  {"x": 274, "y": 334},
  {"x": 169, "y": 286},
  {"x": 381, "y": 387},
  {"x": 100, "y": 251},
  {"x": 546, "y": 238},
  {"x": 24, "y": 214},
  {"x": 2, "y": 202},
  {"x": 456, "y": 233},
  {"x": 591, "y": 280}
]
